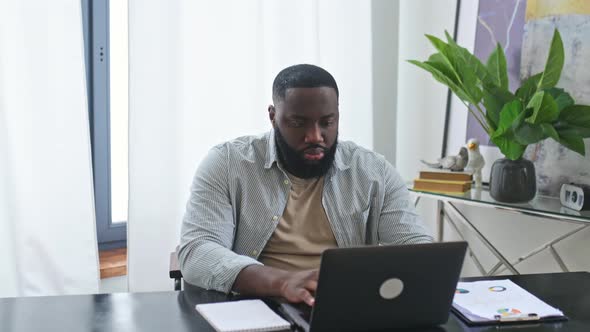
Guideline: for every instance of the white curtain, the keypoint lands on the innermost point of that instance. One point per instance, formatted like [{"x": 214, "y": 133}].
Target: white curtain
[
  {"x": 47, "y": 228},
  {"x": 201, "y": 73}
]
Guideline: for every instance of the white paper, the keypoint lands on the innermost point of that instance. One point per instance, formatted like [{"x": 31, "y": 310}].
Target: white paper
[
  {"x": 487, "y": 299},
  {"x": 245, "y": 315}
]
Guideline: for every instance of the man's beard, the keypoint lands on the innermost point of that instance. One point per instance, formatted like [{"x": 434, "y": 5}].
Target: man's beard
[{"x": 294, "y": 162}]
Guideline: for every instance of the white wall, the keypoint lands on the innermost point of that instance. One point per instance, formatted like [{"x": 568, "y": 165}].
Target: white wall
[
  {"x": 384, "y": 36},
  {"x": 421, "y": 106},
  {"x": 345, "y": 47},
  {"x": 421, "y": 101}
]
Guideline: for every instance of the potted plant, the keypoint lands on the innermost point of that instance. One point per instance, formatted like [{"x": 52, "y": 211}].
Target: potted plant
[{"x": 537, "y": 110}]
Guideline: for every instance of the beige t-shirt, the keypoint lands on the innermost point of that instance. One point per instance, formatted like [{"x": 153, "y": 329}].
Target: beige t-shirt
[{"x": 303, "y": 232}]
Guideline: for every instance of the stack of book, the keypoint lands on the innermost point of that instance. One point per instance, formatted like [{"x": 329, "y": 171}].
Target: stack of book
[{"x": 443, "y": 181}]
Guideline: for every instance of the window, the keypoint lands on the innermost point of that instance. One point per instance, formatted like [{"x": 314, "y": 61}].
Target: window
[{"x": 105, "y": 40}]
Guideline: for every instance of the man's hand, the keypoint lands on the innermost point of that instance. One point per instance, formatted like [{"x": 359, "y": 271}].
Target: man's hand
[
  {"x": 300, "y": 286},
  {"x": 261, "y": 280}
]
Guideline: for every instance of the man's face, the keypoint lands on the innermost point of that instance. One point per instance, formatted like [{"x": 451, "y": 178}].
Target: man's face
[{"x": 306, "y": 126}]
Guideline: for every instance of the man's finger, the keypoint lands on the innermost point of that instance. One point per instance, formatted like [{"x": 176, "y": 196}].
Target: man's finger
[
  {"x": 311, "y": 285},
  {"x": 315, "y": 274},
  {"x": 307, "y": 298}
]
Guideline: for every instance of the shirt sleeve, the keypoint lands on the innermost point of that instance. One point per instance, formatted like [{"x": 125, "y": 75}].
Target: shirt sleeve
[
  {"x": 208, "y": 228},
  {"x": 399, "y": 223}
]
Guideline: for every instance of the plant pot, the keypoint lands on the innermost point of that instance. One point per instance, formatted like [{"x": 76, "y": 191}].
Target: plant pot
[{"x": 513, "y": 181}]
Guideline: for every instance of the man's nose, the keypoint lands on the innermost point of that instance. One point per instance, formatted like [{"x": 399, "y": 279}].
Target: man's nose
[{"x": 313, "y": 135}]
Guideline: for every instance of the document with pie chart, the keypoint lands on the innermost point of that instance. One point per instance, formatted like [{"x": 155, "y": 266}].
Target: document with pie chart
[{"x": 500, "y": 301}]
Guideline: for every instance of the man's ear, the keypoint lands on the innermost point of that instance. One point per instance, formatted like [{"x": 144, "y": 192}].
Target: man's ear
[{"x": 271, "y": 114}]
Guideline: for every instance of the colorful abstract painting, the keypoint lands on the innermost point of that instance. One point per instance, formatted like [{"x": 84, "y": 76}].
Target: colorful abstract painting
[{"x": 498, "y": 21}]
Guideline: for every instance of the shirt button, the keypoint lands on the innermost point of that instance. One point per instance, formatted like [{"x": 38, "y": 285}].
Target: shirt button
[
  {"x": 254, "y": 252},
  {"x": 286, "y": 182},
  {"x": 275, "y": 218}
]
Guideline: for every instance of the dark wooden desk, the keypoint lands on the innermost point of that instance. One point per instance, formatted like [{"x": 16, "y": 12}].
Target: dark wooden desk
[{"x": 175, "y": 311}]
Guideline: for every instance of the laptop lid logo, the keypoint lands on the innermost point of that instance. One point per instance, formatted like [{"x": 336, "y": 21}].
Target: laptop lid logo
[{"x": 391, "y": 288}]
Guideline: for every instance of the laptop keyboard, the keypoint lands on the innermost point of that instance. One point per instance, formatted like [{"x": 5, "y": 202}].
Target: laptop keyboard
[
  {"x": 304, "y": 310},
  {"x": 297, "y": 314}
]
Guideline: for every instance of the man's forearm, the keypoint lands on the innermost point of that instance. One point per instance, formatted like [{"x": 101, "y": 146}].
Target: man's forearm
[{"x": 260, "y": 280}]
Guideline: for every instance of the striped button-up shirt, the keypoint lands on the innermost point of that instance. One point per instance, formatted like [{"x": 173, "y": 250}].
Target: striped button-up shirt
[{"x": 239, "y": 193}]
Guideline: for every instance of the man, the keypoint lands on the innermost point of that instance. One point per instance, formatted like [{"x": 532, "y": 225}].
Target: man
[{"x": 263, "y": 208}]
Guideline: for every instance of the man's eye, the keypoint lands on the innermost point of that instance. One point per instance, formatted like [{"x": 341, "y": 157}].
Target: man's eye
[
  {"x": 328, "y": 123},
  {"x": 295, "y": 123}
]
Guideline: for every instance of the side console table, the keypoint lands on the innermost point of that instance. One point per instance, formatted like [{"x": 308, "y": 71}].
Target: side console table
[{"x": 540, "y": 206}]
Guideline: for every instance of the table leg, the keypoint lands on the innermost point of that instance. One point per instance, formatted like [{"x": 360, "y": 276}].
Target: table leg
[
  {"x": 469, "y": 251},
  {"x": 484, "y": 240},
  {"x": 416, "y": 201},
  {"x": 549, "y": 245}
]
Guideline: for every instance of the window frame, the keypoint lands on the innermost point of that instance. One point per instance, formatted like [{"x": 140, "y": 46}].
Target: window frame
[{"x": 95, "y": 17}]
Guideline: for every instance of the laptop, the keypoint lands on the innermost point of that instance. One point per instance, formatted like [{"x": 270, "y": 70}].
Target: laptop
[{"x": 382, "y": 287}]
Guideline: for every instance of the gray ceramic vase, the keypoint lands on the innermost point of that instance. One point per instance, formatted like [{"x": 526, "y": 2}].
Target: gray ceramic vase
[{"x": 513, "y": 181}]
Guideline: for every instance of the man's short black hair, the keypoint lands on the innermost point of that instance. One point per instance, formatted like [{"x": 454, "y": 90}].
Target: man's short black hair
[{"x": 301, "y": 76}]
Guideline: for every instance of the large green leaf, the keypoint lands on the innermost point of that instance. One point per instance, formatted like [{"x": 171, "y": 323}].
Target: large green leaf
[
  {"x": 511, "y": 116},
  {"x": 468, "y": 60},
  {"x": 511, "y": 149},
  {"x": 573, "y": 129},
  {"x": 441, "y": 63},
  {"x": 451, "y": 60},
  {"x": 440, "y": 45},
  {"x": 441, "y": 77},
  {"x": 492, "y": 122},
  {"x": 466, "y": 69},
  {"x": 549, "y": 131},
  {"x": 545, "y": 108},
  {"x": 578, "y": 115},
  {"x": 572, "y": 141},
  {"x": 528, "y": 88},
  {"x": 528, "y": 133},
  {"x": 554, "y": 63},
  {"x": 443, "y": 57},
  {"x": 562, "y": 98},
  {"x": 496, "y": 66},
  {"x": 494, "y": 98},
  {"x": 572, "y": 132},
  {"x": 447, "y": 52}
]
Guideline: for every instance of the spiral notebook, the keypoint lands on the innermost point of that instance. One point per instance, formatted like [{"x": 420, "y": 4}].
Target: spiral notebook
[{"x": 245, "y": 315}]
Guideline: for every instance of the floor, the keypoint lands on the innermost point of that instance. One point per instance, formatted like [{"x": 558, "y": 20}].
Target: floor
[{"x": 113, "y": 285}]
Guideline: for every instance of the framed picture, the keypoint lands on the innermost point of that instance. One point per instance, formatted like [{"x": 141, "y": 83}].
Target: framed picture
[{"x": 524, "y": 29}]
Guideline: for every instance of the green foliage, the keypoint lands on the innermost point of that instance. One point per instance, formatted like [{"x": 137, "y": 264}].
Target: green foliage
[
  {"x": 536, "y": 111},
  {"x": 544, "y": 108},
  {"x": 528, "y": 88},
  {"x": 494, "y": 99},
  {"x": 497, "y": 67},
  {"x": 554, "y": 63},
  {"x": 562, "y": 98}
]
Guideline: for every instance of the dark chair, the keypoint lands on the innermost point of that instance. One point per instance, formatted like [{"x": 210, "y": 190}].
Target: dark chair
[
  {"x": 174, "y": 273},
  {"x": 174, "y": 270}
]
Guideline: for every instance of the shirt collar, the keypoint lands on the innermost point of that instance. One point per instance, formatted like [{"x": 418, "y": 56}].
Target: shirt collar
[{"x": 273, "y": 157}]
